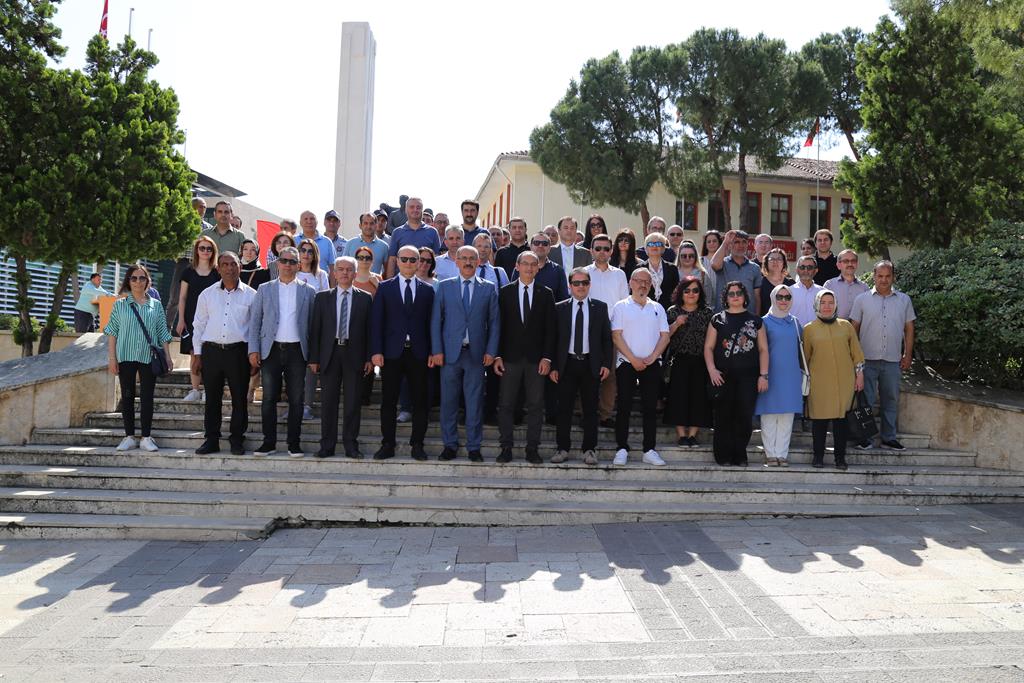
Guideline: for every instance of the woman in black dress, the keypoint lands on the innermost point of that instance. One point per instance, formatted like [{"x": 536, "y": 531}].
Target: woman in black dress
[
  {"x": 687, "y": 406},
  {"x": 197, "y": 277}
]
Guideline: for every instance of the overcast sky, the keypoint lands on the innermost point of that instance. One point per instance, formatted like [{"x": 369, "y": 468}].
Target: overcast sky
[{"x": 457, "y": 83}]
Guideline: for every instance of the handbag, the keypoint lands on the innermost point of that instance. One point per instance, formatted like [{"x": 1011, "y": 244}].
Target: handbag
[
  {"x": 157, "y": 358},
  {"x": 805, "y": 375},
  {"x": 860, "y": 419}
]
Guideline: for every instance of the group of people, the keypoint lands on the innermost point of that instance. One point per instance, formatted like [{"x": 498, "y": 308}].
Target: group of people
[{"x": 501, "y": 326}]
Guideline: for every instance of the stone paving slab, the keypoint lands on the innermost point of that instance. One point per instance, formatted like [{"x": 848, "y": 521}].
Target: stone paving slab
[{"x": 923, "y": 598}]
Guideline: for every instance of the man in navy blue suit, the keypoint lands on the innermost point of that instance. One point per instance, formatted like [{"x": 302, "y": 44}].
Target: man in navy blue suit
[
  {"x": 400, "y": 347},
  {"x": 464, "y": 331}
]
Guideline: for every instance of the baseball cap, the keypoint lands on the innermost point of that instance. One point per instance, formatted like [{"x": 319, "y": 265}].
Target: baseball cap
[{"x": 332, "y": 214}]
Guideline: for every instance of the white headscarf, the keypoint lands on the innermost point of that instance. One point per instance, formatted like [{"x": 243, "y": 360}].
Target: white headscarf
[{"x": 774, "y": 310}]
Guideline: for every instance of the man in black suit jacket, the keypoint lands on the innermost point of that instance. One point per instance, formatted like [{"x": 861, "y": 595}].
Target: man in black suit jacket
[
  {"x": 525, "y": 348},
  {"x": 339, "y": 351},
  {"x": 399, "y": 346},
  {"x": 583, "y": 358}
]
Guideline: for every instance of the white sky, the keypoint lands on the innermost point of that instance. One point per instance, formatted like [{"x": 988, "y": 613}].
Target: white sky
[{"x": 457, "y": 83}]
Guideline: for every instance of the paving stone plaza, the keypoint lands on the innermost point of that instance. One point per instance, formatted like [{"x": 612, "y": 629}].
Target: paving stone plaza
[{"x": 936, "y": 596}]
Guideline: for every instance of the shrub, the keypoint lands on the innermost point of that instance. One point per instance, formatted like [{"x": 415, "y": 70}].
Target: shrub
[{"x": 969, "y": 307}]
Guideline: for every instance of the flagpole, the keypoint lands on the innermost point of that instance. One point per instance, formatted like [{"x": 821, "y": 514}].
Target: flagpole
[
  {"x": 131, "y": 11},
  {"x": 817, "y": 180}
]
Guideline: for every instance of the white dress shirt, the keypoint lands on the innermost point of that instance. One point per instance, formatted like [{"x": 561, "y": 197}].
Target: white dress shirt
[
  {"x": 803, "y": 302},
  {"x": 287, "y": 313},
  {"x": 337, "y": 310},
  {"x": 222, "y": 315},
  {"x": 407, "y": 283},
  {"x": 568, "y": 257},
  {"x": 608, "y": 286},
  {"x": 586, "y": 324},
  {"x": 529, "y": 291}
]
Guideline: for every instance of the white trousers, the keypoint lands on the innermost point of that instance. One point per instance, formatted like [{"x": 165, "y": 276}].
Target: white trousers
[{"x": 776, "y": 430}]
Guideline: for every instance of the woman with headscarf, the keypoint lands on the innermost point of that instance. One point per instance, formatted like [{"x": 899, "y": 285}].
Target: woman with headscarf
[
  {"x": 836, "y": 364},
  {"x": 783, "y": 400},
  {"x": 251, "y": 272},
  {"x": 686, "y": 404}
]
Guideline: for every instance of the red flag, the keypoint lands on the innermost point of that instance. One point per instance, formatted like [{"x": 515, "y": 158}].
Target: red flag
[
  {"x": 814, "y": 131},
  {"x": 103, "y": 19},
  {"x": 265, "y": 231}
]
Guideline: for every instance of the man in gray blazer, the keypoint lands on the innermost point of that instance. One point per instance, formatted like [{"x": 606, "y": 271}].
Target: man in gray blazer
[
  {"x": 560, "y": 253},
  {"x": 279, "y": 346}
]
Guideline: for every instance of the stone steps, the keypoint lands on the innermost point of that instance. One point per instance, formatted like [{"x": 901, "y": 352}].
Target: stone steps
[{"x": 44, "y": 525}]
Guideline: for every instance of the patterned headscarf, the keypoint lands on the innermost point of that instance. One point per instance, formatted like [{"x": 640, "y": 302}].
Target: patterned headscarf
[{"x": 817, "y": 306}]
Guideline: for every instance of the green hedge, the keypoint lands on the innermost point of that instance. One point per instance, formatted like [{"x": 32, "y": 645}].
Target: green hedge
[{"x": 969, "y": 301}]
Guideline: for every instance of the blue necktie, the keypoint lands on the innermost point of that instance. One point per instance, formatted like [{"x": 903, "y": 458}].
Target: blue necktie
[{"x": 465, "y": 296}]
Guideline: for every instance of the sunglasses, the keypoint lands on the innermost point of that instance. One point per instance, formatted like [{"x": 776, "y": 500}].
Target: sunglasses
[
  {"x": 364, "y": 257},
  {"x": 784, "y": 297},
  {"x": 580, "y": 283},
  {"x": 540, "y": 243},
  {"x": 675, "y": 234},
  {"x": 601, "y": 248},
  {"x": 305, "y": 251},
  {"x": 409, "y": 259},
  {"x": 734, "y": 294},
  {"x": 655, "y": 245},
  {"x": 204, "y": 248},
  {"x": 687, "y": 256},
  {"x": 807, "y": 267},
  {"x": 288, "y": 261},
  {"x": 139, "y": 278},
  {"x": 691, "y": 290}
]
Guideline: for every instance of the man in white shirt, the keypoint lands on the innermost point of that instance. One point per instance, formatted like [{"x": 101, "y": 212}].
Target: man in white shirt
[
  {"x": 640, "y": 335},
  {"x": 445, "y": 265},
  {"x": 607, "y": 284},
  {"x": 805, "y": 290},
  {"x": 567, "y": 253},
  {"x": 220, "y": 331}
]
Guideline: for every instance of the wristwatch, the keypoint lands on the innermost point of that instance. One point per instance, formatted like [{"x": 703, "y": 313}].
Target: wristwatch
[{"x": 763, "y": 376}]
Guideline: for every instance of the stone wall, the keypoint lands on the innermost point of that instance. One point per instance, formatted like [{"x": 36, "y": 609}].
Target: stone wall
[{"x": 10, "y": 351}]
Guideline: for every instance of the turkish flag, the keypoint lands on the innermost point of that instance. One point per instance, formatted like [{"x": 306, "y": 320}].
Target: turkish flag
[
  {"x": 103, "y": 19},
  {"x": 265, "y": 231},
  {"x": 814, "y": 131}
]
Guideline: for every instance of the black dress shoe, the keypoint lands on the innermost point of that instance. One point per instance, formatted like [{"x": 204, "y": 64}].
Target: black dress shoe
[
  {"x": 208, "y": 447},
  {"x": 447, "y": 454},
  {"x": 237, "y": 449},
  {"x": 533, "y": 457},
  {"x": 842, "y": 466},
  {"x": 323, "y": 454},
  {"x": 608, "y": 423},
  {"x": 418, "y": 453},
  {"x": 353, "y": 453},
  {"x": 551, "y": 421},
  {"x": 476, "y": 456},
  {"x": 817, "y": 465},
  {"x": 505, "y": 455},
  {"x": 384, "y": 452}
]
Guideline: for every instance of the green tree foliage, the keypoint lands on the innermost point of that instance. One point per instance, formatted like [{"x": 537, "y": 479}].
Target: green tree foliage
[
  {"x": 836, "y": 53},
  {"x": 937, "y": 162},
  {"x": 967, "y": 317}
]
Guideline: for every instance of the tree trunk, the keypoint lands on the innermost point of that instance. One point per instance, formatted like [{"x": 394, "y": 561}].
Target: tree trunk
[
  {"x": 59, "y": 290},
  {"x": 24, "y": 304},
  {"x": 741, "y": 161},
  {"x": 645, "y": 216},
  {"x": 853, "y": 147}
]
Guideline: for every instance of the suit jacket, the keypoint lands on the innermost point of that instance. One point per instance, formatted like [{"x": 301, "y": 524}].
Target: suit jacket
[
  {"x": 265, "y": 315},
  {"x": 323, "y": 331},
  {"x": 580, "y": 257},
  {"x": 534, "y": 340},
  {"x": 390, "y": 323},
  {"x": 668, "y": 284},
  {"x": 552, "y": 276},
  {"x": 602, "y": 353},
  {"x": 448, "y": 321}
]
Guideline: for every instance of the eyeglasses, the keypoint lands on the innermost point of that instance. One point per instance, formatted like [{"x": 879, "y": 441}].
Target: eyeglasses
[
  {"x": 655, "y": 245},
  {"x": 410, "y": 259},
  {"x": 364, "y": 257},
  {"x": 735, "y": 294},
  {"x": 784, "y": 297},
  {"x": 601, "y": 248},
  {"x": 687, "y": 256},
  {"x": 691, "y": 290},
  {"x": 288, "y": 261},
  {"x": 807, "y": 267},
  {"x": 580, "y": 283},
  {"x": 138, "y": 278},
  {"x": 540, "y": 243},
  {"x": 204, "y": 248}
]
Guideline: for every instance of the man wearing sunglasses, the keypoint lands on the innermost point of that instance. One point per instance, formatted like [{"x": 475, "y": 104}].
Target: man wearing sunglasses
[
  {"x": 805, "y": 290},
  {"x": 608, "y": 285}
]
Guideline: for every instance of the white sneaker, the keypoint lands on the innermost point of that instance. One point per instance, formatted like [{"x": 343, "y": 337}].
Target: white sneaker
[
  {"x": 621, "y": 456},
  {"x": 128, "y": 443},
  {"x": 193, "y": 396},
  {"x": 560, "y": 456},
  {"x": 204, "y": 394},
  {"x": 295, "y": 454},
  {"x": 404, "y": 416},
  {"x": 307, "y": 413},
  {"x": 147, "y": 444},
  {"x": 651, "y": 457}
]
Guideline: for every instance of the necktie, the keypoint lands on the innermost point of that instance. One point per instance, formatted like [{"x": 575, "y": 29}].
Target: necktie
[
  {"x": 408, "y": 295},
  {"x": 343, "y": 317},
  {"x": 465, "y": 296},
  {"x": 526, "y": 304},
  {"x": 577, "y": 345},
  {"x": 483, "y": 272}
]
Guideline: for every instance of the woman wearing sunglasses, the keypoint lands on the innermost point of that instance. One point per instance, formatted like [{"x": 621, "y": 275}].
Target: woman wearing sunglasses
[
  {"x": 624, "y": 252},
  {"x": 783, "y": 400},
  {"x": 313, "y": 275},
  {"x": 595, "y": 226},
  {"x": 197, "y": 277},
  {"x": 368, "y": 281},
  {"x": 687, "y": 405}
]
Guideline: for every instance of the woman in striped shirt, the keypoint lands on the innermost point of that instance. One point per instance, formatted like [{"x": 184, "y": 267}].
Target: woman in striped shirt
[{"x": 129, "y": 352}]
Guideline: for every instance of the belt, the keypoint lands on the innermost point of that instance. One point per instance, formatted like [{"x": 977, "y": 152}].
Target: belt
[
  {"x": 579, "y": 356},
  {"x": 407, "y": 345},
  {"x": 465, "y": 345},
  {"x": 341, "y": 342},
  {"x": 287, "y": 344},
  {"x": 224, "y": 347}
]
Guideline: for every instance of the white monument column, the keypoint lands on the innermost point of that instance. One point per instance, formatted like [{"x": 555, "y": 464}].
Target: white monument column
[{"x": 355, "y": 125}]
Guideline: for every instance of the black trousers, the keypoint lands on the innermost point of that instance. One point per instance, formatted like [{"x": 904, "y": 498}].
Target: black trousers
[
  {"x": 734, "y": 418},
  {"x": 626, "y": 379},
  {"x": 126, "y": 373},
  {"x": 84, "y": 321},
  {"x": 413, "y": 370},
  {"x": 577, "y": 378},
  {"x": 285, "y": 360},
  {"x": 343, "y": 371},
  {"x": 521, "y": 381},
  {"x": 226, "y": 365},
  {"x": 492, "y": 393},
  {"x": 819, "y": 431}
]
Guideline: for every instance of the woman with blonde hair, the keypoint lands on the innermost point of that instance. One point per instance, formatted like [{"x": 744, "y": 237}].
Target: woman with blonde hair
[{"x": 197, "y": 277}]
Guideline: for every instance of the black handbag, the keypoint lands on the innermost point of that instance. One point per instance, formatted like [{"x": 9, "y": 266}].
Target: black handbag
[
  {"x": 158, "y": 359},
  {"x": 860, "y": 419}
]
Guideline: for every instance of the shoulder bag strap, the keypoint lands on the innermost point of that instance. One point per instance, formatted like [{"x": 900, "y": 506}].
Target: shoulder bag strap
[
  {"x": 138, "y": 317},
  {"x": 800, "y": 342}
]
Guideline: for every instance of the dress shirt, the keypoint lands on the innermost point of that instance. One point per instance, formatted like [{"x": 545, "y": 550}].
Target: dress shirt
[
  {"x": 641, "y": 326},
  {"x": 337, "y": 309},
  {"x": 845, "y": 293},
  {"x": 568, "y": 257},
  {"x": 222, "y": 315},
  {"x": 496, "y": 276},
  {"x": 445, "y": 267},
  {"x": 529, "y": 291},
  {"x": 803, "y": 302},
  {"x": 407, "y": 283},
  {"x": 608, "y": 286},
  {"x": 586, "y": 325},
  {"x": 462, "y": 287},
  {"x": 287, "y": 314}
]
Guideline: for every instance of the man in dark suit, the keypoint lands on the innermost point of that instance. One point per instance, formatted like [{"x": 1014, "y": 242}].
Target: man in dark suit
[
  {"x": 339, "y": 351},
  {"x": 583, "y": 359},
  {"x": 464, "y": 330},
  {"x": 400, "y": 346},
  {"x": 524, "y": 354},
  {"x": 567, "y": 253}
]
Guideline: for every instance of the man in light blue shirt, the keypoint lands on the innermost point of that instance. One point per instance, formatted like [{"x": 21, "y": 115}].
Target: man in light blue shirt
[
  {"x": 368, "y": 238},
  {"x": 88, "y": 307},
  {"x": 332, "y": 224}
]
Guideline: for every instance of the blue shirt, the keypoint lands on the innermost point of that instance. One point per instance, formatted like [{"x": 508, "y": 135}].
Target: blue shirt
[
  {"x": 423, "y": 236},
  {"x": 378, "y": 246}
]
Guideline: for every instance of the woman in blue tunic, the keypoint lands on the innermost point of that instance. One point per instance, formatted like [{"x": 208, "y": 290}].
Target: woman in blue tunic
[{"x": 783, "y": 400}]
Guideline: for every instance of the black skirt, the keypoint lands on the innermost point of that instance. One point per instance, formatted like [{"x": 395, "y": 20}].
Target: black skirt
[{"x": 687, "y": 403}]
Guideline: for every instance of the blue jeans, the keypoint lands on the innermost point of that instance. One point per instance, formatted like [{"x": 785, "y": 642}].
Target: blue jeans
[{"x": 882, "y": 381}]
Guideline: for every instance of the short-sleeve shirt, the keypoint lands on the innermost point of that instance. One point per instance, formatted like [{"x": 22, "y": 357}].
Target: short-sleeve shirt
[
  {"x": 229, "y": 241},
  {"x": 736, "y": 342},
  {"x": 131, "y": 345},
  {"x": 882, "y": 319},
  {"x": 423, "y": 236},
  {"x": 748, "y": 273},
  {"x": 89, "y": 292},
  {"x": 846, "y": 293},
  {"x": 641, "y": 326}
]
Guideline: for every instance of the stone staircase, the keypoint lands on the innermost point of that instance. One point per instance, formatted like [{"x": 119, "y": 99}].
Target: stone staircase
[{"x": 73, "y": 483}]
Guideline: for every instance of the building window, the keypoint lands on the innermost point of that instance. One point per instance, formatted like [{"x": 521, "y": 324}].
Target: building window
[
  {"x": 686, "y": 214},
  {"x": 716, "y": 211},
  {"x": 782, "y": 215},
  {"x": 846, "y": 212},
  {"x": 820, "y": 210},
  {"x": 753, "y": 225}
]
